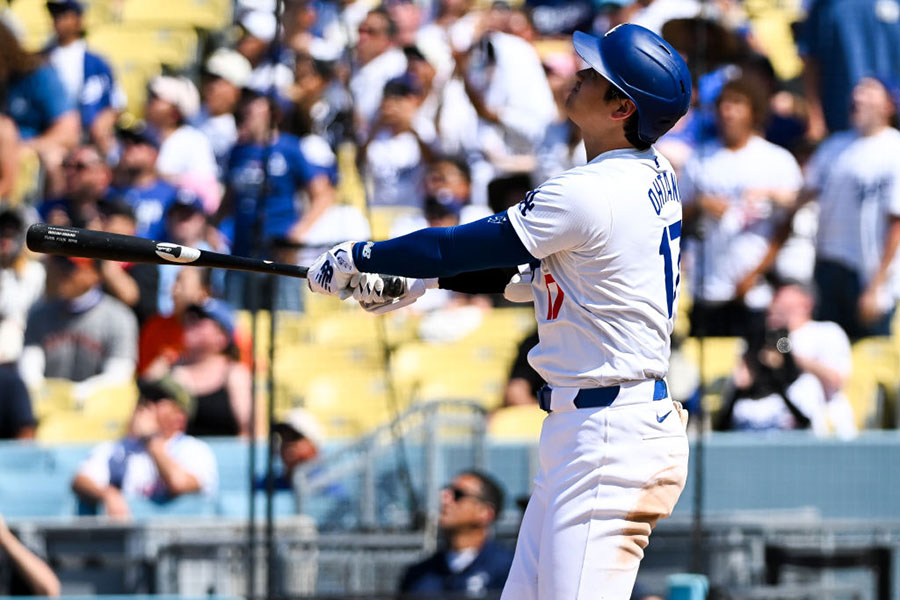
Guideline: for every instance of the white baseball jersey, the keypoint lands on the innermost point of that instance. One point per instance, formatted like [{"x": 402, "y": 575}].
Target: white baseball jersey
[
  {"x": 608, "y": 235},
  {"x": 737, "y": 242},
  {"x": 857, "y": 180}
]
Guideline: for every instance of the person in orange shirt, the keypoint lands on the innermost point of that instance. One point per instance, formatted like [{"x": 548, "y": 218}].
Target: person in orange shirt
[{"x": 161, "y": 339}]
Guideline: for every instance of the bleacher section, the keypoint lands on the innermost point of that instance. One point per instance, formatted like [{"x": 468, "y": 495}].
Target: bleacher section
[{"x": 139, "y": 38}]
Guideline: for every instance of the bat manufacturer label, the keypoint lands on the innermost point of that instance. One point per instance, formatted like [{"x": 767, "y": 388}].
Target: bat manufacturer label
[{"x": 177, "y": 254}]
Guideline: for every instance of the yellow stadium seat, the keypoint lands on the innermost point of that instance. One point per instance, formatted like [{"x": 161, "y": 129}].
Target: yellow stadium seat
[
  {"x": 503, "y": 325},
  {"x": 36, "y": 24},
  {"x": 484, "y": 386},
  {"x": 77, "y": 427},
  {"x": 55, "y": 396},
  {"x": 382, "y": 218},
  {"x": 114, "y": 402},
  {"x": 350, "y": 188},
  {"x": 517, "y": 423},
  {"x": 720, "y": 355},
  {"x": 874, "y": 383},
  {"x": 175, "y": 46},
  {"x": 351, "y": 404},
  {"x": 28, "y": 179},
  {"x": 202, "y": 14}
]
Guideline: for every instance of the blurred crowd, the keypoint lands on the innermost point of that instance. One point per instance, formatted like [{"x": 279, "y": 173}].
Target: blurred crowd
[{"x": 448, "y": 110}]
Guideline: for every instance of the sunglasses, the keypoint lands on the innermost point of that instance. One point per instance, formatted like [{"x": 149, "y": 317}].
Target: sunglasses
[
  {"x": 459, "y": 494},
  {"x": 363, "y": 30},
  {"x": 77, "y": 166}
]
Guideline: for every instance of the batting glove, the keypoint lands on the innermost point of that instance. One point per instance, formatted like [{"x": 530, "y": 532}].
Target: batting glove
[
  {"x": 332, "y": 273},
  {"x": 369, "y": 292}
]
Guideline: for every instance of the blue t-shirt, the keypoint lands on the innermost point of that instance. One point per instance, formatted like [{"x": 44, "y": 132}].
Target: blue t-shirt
[
  {"x": 98, "y": 88},
  {"x": 150, "y": 205},
  {"x": 35, "y": 101},
  {"x": 850, "y": 39},
  {"x": 288, "y": 170}
]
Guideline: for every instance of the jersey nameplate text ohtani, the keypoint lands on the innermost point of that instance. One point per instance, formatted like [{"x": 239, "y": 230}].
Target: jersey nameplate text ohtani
[{"x": 664, "y": 190}]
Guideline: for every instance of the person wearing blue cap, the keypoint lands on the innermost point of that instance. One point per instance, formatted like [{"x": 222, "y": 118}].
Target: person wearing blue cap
[
  {"x": 87, "y": 77},
  {"x": 138, "y": 182},
  {"x": 603, "y": 241},
  {"x": 211, "y": 370}
]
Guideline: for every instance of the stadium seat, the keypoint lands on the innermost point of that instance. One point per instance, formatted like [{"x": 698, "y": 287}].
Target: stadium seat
[
  {"x": 40, "y": 493},
  {"x": 175, "y": 46},
  {"x": 112, "y": 403},
  {"x": 517, "y": 423},
  {"x": 382, "y": 218},
  {"x": 237, "y": 504},
  {"x": 29, "y": 180},
  {"x": 32, "y": 15},
  {"x": 350, "y": 187},
  {"x": 350, "y": 404},
  {"x": 54, "y": 396},
  {"x": 874, "y": 383},
  {"x": 77, "y": 427},
  {"x": 720, "y": 355},
  {"x": 201, "y": 14}
]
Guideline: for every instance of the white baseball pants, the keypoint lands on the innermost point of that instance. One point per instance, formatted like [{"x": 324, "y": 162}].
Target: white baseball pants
[{"x": 607, "y": 475}]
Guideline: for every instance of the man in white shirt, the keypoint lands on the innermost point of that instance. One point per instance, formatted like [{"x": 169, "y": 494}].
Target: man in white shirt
[
  {"x": 186, "y": 157},
  {"x": 156, "y": 460},
  {"x": 378, "y": 60},
  {"x": 855, "y": 176},
  {"x": 738, "y": 191},
  {"x": 226, "y": 73},
  {"x": 86, "y": 76},
  {"x": 259, "y": 29}
]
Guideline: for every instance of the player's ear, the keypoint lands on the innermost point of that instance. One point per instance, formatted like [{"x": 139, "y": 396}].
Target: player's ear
[{"x": 623, "y": 109}]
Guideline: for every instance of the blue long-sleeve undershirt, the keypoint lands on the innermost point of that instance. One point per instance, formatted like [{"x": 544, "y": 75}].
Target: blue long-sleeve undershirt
[{"x": 445, "y": 251}]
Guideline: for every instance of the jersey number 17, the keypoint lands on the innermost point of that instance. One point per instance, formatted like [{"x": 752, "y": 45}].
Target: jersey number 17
[{"x": 671, "y": 243}]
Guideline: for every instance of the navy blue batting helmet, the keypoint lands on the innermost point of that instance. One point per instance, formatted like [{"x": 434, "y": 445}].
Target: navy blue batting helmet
[{"x": 646, "y": 69}]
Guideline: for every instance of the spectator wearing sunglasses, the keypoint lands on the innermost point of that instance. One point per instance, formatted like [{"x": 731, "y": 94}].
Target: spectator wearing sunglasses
[{"x": 470, "y": 563}]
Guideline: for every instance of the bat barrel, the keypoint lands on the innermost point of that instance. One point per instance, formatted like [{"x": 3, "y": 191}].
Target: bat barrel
[{"x": 71, "y": 241}]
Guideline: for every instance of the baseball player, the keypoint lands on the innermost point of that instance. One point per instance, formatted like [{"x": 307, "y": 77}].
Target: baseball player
[{"x": 603, "y": 240}]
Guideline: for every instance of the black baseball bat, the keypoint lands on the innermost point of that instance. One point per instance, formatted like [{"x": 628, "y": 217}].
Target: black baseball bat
[{"x": 88, "y": 243}]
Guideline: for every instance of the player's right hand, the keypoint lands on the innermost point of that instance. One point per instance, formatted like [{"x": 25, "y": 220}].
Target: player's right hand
[
  {"x": 369, "y": 292},
  {"x": 331, "y": 273}
]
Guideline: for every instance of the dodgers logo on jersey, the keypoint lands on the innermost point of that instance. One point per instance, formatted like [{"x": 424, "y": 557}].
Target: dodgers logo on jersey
[{"x": 528, "y": 203}]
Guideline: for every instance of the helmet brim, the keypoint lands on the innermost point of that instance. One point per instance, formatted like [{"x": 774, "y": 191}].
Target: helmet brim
[{"x": 588, "y": 48}]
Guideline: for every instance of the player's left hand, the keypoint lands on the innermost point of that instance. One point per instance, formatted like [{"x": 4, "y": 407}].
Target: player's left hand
[
  {"x": 331, "y": 273},
  {"x": 369, "y": 292}
]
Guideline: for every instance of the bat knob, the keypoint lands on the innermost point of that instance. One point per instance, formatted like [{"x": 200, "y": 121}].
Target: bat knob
[{"x": 394, "y": 287}]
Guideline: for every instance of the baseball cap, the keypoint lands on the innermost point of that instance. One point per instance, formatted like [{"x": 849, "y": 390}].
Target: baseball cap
[
  {"x": 11, "y": 219},
  {"x": 229, "y": 65},
  {"x": 260, "y": 24},
  {"x": 166, "y": 388},
  {"x": 57, "y": 7},
  {"x": 404, "y": 85},
  {"x": 891, "y": 86},
  {"x": 218, "y": 311},
  {"x": 116, "y": 207},
  {"x": 187, "y": 198},
  {"x": 303, "y": 423},
  {"x": 179, "y": 91},
  {"x": 140, "y": 133}
]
